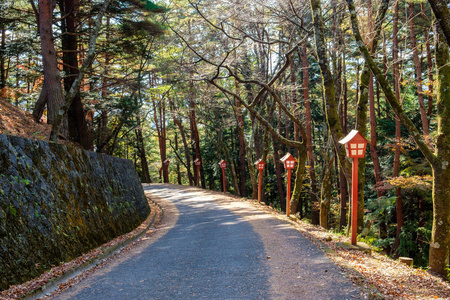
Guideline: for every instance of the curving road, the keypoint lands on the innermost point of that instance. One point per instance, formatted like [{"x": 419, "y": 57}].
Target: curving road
[{"x": 210, "y": 246}]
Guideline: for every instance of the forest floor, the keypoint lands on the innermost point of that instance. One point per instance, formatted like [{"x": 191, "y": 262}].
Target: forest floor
[
  {"x": 381, "y": 276},
  {"x": 14, "y": 121}
]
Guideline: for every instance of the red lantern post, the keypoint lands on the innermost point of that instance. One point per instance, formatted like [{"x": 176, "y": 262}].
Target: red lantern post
[
  {"x": 223, "y": 165},
  {"x": 197, "y": 163},
  {"x": 260, "y": 165},
  {"x": 355, "y": 146},
  {"x": 289, "y": 163}
]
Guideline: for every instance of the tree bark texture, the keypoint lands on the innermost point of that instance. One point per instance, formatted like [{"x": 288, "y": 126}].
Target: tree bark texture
[
  {"x": 396, "y": 165},
  {"x": 442, "y": 14},
  {"x": 187, "y": 155},
  {"x": 230, "y": 164},
  {"x": 309, "y": 146},
  {"x": 325, "y": 194},
  {"x": 242, "y": 152},
  {"x": 251, "y": 170},
  {"x": 440, "y": 236},
  {"x": 67, "y": 101},
  {"x": 366, "y": 96},
  {"x": 294, "y": 97},
  {"x": 430, "y": 76},
  {"x": 2, "y": 63},
  {"x": 299, "y": 176},
  {"x": 418, "y": 70},
  {"x": 373, "y": 141},
  {"x": 52, "y": 78},
  {"x": 159, "y": 114},
  {"x": 279, "y": 173},
  {"x": 142, "y": 154},
  {"x": 78, "y": 130},
  {"x": 195, "y": 135},
  {"x": 328, "y": 88},
  {"x": 104, "y": 117},
  {"x": 39, "y": 106},
  {"x": 178, "y": 162}
]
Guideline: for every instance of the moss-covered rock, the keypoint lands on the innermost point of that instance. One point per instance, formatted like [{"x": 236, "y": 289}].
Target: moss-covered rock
[{"x": 58, "y": 201}]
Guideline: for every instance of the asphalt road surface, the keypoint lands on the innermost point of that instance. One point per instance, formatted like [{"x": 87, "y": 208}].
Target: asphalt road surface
[{"x": 210, "y": 246}]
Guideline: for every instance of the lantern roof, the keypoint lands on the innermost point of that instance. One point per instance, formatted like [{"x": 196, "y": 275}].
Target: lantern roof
[
  {"x": 196, "y": 160},
  {"x": 288, "y": 157},
  {"x": 355, "y": 137},
  {"x": 259, "y": 161},
  {"x": 222, "y": 161}
]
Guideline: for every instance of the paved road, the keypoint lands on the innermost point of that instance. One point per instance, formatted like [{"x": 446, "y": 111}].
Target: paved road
[{"x": 210, "y": 246}]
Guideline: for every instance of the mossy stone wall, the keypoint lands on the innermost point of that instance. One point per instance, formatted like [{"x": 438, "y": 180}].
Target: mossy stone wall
[{"x": 58, "y": 201}]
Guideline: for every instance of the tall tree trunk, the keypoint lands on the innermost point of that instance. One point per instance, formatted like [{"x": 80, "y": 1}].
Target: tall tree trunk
[
  {"x": 373, "y": 141},
  {"x": 39, "y": 106},
  {"x": 418, "y": 69},
  {"x": 367, "y": 96},
  {"x": 78, "y": 130},
  {"x": 66, "y": 102},
  {"x": 104, "y": 118},
  {"x": 266, "y": 148},
  {"x": 251, "y": 170},
  {"x": 343, "y": 200},
  {"x": 187, "y": 156},
  {"x": 430, "y": 75},
  {"x": 278, "y": 150},
  {"x": 328, "y": 88},
  {"x": 279, "y": 173},
  {"x": 287, "y": 124},
  {"x": 162, "y": 118},
  {"x": 396, "y": 166},
  {"x": 440, "y": 235},
  {"x": 294, "y": 99},
  {"x": 141, "y": 152},
  {"x": 178, "y": 163},
  {"x": 309, "y": 146},
  {"x": 2, "y": 62},
  {"x": 326, "y": 195},
  {"x": 241, "y": 131},
  {"x": 343, "y": 115},
  {"x": 230, "y": 163},
  {"x": 195, "y": 134},
  {"x": 442, "y": 14},
  {"x": 299, "y": 175},
  {"x": 160, "y": 124},
  {"x": 52, "y": 79}
]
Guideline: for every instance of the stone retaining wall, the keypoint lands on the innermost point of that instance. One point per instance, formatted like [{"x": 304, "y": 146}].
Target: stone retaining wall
[{"x": 58, "y": 201}]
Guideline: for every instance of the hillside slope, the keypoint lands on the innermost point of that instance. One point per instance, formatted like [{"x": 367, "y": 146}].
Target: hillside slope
[{"x": 14, "y": 121}]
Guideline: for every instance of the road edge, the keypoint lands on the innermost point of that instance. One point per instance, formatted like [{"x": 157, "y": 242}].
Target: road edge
[{"x": 45, "y": 288}]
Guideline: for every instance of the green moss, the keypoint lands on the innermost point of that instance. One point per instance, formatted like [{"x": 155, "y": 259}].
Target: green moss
[{"x": 63, "y": 202}]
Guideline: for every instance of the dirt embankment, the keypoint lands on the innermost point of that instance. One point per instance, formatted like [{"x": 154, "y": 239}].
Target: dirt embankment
[{"x": 14, "y": 121}]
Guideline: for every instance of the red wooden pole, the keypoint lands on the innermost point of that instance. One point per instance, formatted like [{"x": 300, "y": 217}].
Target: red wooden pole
[
  {"x": 288, "y": 197},
  {"x": 259, "y": 187},
  {"x": 224, "y": 187},
  {"x": 198, "y": 174},
  {"x": 354, "y": 199}
]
